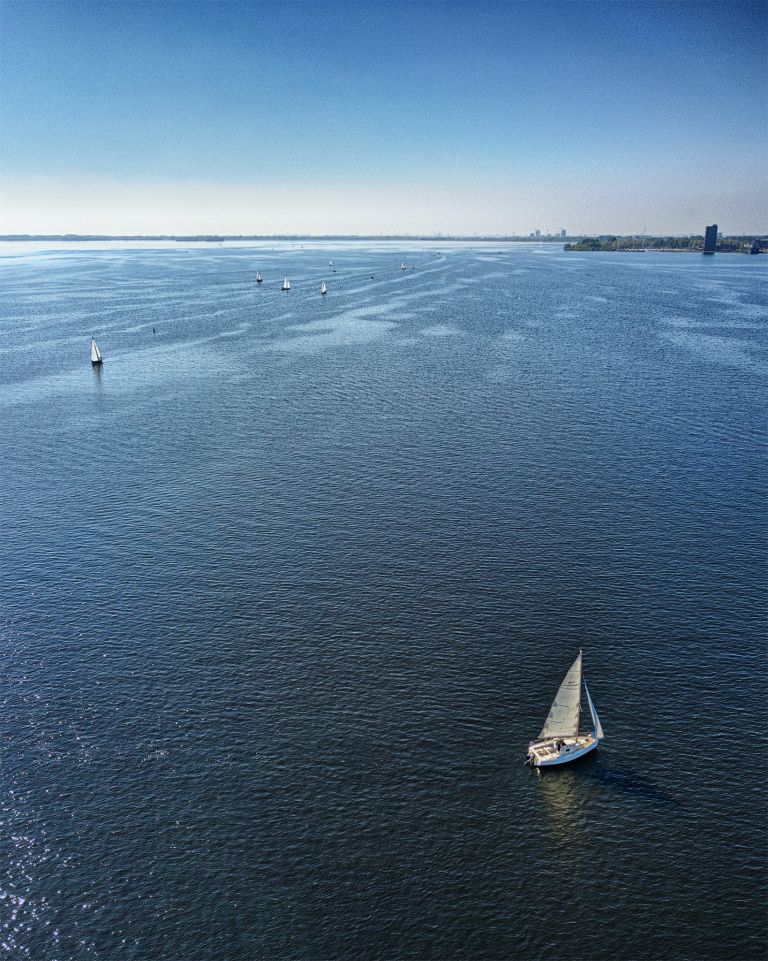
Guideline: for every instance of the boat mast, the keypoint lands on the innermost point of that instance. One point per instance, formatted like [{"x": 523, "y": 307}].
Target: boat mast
[{"x": 581, "y": 681}]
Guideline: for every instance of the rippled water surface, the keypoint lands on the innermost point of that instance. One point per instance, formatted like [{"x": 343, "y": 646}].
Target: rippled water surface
[{"x": 290, "y": 583}]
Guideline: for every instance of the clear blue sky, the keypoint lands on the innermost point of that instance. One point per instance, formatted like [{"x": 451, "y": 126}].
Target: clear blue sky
[{"x": 379, "y": 117}]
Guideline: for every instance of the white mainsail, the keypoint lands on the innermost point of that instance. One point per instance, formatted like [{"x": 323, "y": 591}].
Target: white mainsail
[
  {"x": 323, "y": 288},
  {"x": 258, "y": 277},
  {"x": 563, "y": 717},
  {"x": 95, "y": 352},
  {"x": 598, "y": 731},
  {"x": 286, "y": 285}
]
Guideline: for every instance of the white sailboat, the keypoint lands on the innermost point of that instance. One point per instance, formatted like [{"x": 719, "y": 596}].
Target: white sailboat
[
  {"x": 402, "y": 266},
  {"x": 96, "y": 358},
  {"x": 286, "y": 285},
  {"x": 258, "y": 277},
  {"x": 323, "y": 288},
  {"x": 330, "y": 263},
  {"x": 560, "y": 741}
]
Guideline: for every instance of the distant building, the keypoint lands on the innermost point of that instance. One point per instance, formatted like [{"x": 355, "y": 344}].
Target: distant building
[
  {"x": 563, "y": 233},
  {"x": 710, "y": 239},
  {"x": 537, "y": 233}
]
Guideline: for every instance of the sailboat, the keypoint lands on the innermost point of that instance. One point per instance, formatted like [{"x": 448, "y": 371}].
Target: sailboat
[
  {"x": 402, "y": 266},
  {"x": 323, "y": 288},
  {"x": 258, "y": 277},
  {"x": 286, "y": 285},
  {"x": 560, "y": 741},
  {"x": 330, "y": 264},
  {"x": 96, "y": 358}
]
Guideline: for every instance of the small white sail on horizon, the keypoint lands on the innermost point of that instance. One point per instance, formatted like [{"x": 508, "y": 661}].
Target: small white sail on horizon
[
  {"x": 286, "y": 285},
  {"x": 323, "y": 288},
  {"x": 96, "y": 357},
  {"x": 559, "y": 741},
  {"x": 402, "y": 266},
  {"x": 258, "y": 277}
]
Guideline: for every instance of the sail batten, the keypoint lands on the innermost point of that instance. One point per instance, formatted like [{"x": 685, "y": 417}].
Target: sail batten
[{"x": 563, "y": 717}]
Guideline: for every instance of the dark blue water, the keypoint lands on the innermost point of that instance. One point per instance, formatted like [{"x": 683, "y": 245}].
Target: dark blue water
[{"x": 289, "y": 585}]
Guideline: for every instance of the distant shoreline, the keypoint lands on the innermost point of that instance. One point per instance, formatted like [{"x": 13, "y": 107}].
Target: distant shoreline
[
  {"x": 656, "y": 250},
  {"x": 219, "y": 238},
  {"x": 690, "y": 244},
  {"x": 646, "y": 243}
]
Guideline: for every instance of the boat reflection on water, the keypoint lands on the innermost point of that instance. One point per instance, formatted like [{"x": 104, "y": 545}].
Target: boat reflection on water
[{"x": 566, "y": 793}]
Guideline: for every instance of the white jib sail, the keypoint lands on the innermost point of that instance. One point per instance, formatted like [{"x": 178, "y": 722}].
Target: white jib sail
[
  {"x": 95, "y": 352},
  {"x": 598, "y": 731},
  {"x": 563, "y": 717}
]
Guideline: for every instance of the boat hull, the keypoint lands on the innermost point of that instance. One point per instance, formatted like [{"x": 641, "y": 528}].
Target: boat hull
[{"x": 541, "y": 755}]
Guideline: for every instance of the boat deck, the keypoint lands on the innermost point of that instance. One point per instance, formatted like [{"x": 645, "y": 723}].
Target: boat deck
[{"x": 548, "y": 750}]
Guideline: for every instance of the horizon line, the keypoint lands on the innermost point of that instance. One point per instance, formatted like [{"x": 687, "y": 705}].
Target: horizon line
[{"x": 208, "y": 237}]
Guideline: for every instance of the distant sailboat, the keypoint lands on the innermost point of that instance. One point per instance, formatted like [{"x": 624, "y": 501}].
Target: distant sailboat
[
  {"x": 96, "y": 358},
  {"x": 330, "y": 263},
  {"x": 286, "y": 285},
  {"x": 560, "y": 741},
  {"x": 323, "y": 288},
  {"x": 258, "y": 277},
  {"x": 403, "y": 267}
]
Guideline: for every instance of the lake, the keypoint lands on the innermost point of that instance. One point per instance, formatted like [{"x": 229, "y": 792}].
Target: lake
[{"x": 290, "y": 583}]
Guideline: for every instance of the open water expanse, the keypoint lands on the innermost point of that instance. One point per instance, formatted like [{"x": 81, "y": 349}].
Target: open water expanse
[{"x": 289, "y": 585}]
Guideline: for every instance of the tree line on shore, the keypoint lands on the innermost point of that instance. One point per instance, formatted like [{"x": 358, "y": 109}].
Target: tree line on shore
[{"x": 694, "y": 243}]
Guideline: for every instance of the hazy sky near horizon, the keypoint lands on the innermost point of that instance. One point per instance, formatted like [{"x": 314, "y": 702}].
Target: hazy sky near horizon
[{"x": 396, "y": 117}]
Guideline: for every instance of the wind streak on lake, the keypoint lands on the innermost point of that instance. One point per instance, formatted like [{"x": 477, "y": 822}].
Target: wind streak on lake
[{"x": 290, "y": 583}]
